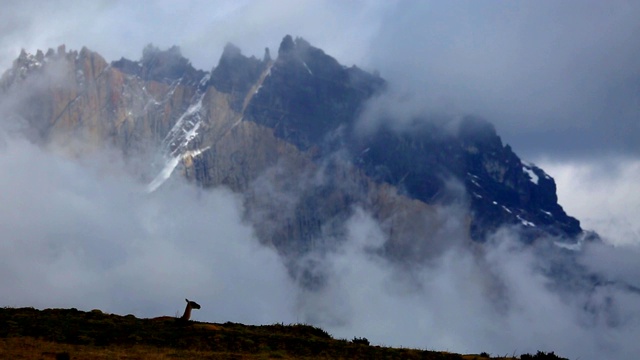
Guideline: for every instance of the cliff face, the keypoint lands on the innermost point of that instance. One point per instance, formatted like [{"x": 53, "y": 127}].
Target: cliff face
[
  {"x": 282, "y": 132},
  {"x": 69, "y": 96},
  {"x": 501, "y": 189}
]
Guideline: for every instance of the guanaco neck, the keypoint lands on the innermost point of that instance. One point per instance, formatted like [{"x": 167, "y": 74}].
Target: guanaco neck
[{"x": 187, "y": 312}]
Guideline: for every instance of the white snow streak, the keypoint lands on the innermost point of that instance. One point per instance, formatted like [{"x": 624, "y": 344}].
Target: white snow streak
[
  {"x": 306, "y": 67},
  {"x": 176, "y": 142},
  {"x": 164, "y": 174},
  {"x": 534, "y": 178},
  {"x": 525, "y": 222},
  {"x": 235, "y": 124},
  {"x": 548, "y": 213}
]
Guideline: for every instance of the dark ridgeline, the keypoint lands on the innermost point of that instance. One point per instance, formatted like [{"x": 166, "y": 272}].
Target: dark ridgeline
[{"x": 97, "y": 334}]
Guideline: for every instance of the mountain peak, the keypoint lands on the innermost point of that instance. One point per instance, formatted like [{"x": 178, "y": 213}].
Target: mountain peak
[
  {"x": 236, "y": 73},
  {"x": 230, "y": 52},
  {"x": 477, "y": 127},
  {"x": 299, "y": 48},
  {"x": 286, "y": 45},
  {"x": 267, "y": 55},
  {"x": 26, "y": 63},
  {"x": 164, "y": 65},
  {"x": 161, "y": 65}
]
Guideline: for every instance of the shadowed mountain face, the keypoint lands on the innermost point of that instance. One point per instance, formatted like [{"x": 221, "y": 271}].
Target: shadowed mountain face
[{"x": 283, "y": 133}]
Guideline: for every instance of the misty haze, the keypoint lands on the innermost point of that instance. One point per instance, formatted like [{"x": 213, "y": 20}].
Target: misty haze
[{"x": 459, "y": 177}]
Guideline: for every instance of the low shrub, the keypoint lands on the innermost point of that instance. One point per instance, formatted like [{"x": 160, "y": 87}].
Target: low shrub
[
  {"x": 361, "y": 341},
  {"x": 540, "y": 355}
]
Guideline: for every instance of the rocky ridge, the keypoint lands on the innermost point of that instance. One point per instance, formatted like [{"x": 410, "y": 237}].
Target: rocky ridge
[{"x": 283, "y": 132}]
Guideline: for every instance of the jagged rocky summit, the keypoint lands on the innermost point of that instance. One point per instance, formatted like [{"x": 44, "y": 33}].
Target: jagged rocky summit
[{"x": 283, "y": 132}]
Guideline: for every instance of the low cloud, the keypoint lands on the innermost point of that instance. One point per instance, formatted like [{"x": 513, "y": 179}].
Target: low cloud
[
  {"x": 78, "y": 236},
  {"x": 501, "y": 299},
  {"x": 86, "y": 234},
  {"x": 556, "y": 78},
  {"x": 602, "y": 193}
]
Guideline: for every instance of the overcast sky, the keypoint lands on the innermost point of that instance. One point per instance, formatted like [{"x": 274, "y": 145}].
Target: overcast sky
[{"x": 559, "y": 79}]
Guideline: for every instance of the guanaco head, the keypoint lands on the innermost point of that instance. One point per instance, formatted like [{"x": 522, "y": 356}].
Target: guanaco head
[{"x": 193, "y": 304}]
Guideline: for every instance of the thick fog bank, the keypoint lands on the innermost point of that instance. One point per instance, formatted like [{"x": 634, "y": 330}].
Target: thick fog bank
[{"x": 85, "y": 234}]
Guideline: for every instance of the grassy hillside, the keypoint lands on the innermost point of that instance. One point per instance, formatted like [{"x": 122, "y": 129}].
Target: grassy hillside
[{"x": 27, "y": 333}]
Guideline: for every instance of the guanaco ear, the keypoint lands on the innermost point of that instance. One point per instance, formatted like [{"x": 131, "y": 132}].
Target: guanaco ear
[{"x": 187, "y": 300}]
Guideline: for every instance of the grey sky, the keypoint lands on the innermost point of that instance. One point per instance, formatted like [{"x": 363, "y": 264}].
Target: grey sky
[{"x": 558, "y": 78}]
